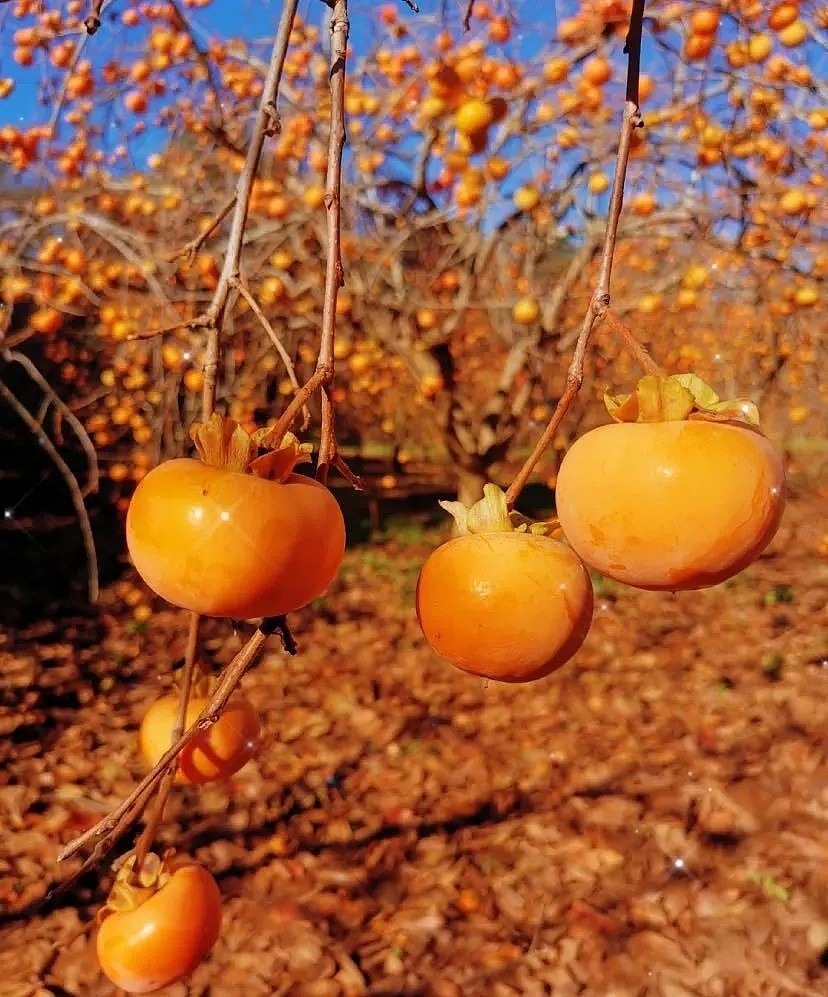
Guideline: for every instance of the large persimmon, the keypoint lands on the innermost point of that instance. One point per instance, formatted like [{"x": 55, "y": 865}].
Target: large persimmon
[
  {"x": 504, "y": 603},
  {"x": 157, "y": 925},
  {"x": 681, "y": 493},
  {"x": 210, "y": 537}
]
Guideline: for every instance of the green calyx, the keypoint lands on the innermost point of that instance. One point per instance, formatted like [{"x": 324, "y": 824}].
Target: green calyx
[
  {"x": 491, "y": 515},
  {"x": 676, "y": 398}
]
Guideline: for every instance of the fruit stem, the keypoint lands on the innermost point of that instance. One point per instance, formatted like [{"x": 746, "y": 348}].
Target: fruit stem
[
  {"x": 600, "y": 301},
  {"x": 147, "y": 837},
  {"x": 624, "y": 333}
]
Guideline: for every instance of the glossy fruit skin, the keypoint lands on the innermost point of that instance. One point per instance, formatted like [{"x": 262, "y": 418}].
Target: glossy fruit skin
[
  {"x": 164, "y": 938},
  {"x": 507, "y": 606},
  {"x": 222, "y": 543},
  {"x": 670, "y": 505},
  {"x": 218, "y": 753}
]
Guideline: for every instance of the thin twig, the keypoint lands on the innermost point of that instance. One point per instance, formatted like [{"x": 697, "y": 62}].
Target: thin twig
[
  {"x": 190, "y": 251},
  {"x": 334, "y": 276},
  {"x": 298, "y": 402},
  {"x": 265, "y": 124},
  {"x": 145, "y": 841},
  {"x": 71, "y": 482},
  {"x": 93, "y": 480},
  {"x": 622, "y": 330},
  {"x": 204, "y": 61},
  {"x": 468, "y": 15},
  {"x": 64, "y": 90},
  {"x": 127, "y": 812},
  {"x": 93, "y": 20},
  {"x": 199, "y": 322},
  {"x": 242, "y": 288},
  {"x": 600, "y": 301}
]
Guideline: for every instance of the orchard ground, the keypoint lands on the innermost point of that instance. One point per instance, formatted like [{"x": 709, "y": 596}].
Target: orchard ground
[{"x": 649, "y": 820}]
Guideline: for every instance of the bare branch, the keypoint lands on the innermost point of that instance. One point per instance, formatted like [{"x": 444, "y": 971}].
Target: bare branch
[
  {"x": 244, "y": 188},
  {"x": 334, "y": 277},
  {"x": 71, "y": 482},
  {"x": 190, "y": 251},
  {"x": 621, "y": 329},
  {"x": 67, "y": 413},
  {"x": 601, "y": 298},
  {"x": 145, "y": 842},
  {"x": 130, "y": 809},
  {"x": 243, "y": 290}
]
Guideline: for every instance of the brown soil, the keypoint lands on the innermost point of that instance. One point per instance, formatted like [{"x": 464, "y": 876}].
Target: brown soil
[{"x": 652, "y": 820}]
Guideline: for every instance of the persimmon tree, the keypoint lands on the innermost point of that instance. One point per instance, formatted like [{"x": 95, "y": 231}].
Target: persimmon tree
[
  {"x": 477, "y": 168},
  {"x": 473, "y": 218}
]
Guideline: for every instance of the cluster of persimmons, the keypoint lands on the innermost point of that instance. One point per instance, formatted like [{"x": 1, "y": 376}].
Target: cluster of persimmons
[{"x": 680, "y": 490}]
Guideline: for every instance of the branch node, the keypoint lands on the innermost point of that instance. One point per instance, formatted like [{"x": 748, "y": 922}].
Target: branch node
[{"x": 274, "y": 120}]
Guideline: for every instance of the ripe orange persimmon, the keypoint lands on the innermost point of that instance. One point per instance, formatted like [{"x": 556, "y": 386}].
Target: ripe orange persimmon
[
  {"x": 473, "y": 116},
  {"x": 151, "y": 936},
  {"x": 705, "y": 21},
  {"x": 218, "y": 753},
  {"x": 597, "y": 70},
  {"x": 781, "y": 15},
  {"x": 501, "y": 603},
  {"x": 209, "y": 537},
  {"x": 525, "y": 311},
  {"x": 660, "y": 501}
]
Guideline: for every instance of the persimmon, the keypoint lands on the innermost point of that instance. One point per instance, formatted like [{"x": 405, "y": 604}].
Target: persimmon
[
  {"x": 781, "y": 15},
  {"x": 210, "y": 537},
  {"x": 697, "y": 47},
  {"x": 525, "y": 311},
  {"x": 793, "y": 35},
  {"x": 705, "y": 21},
  {"x": 526, "y": 198},
  {"x": 502, "y": 602},
  {"x": 473, "y": 116},
  {"x": 681, "y": 492},
  {"x": 217, "y": 753},
  {"x": 158, "y": 925}
]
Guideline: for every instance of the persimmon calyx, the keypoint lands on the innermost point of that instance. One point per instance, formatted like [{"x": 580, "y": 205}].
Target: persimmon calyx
[
  {"x": 132, "y": 889},
  {"x": 201, "y": 683},
  {"x": 222, "y": 442},
  {"x": 678, "y": 397},
  {"x": 491, "y": 515}
]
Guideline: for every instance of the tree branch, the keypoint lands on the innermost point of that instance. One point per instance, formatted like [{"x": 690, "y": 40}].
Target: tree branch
[
  {"x": 334, "y": 276},
  {"x": 71, "y": 481},
  {"x": 601, "y": 298}
]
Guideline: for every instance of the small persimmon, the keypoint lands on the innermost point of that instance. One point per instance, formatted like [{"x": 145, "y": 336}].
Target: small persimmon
[
  {"x": 682, "y": 492},
  {"x": 597, "y": 70},
  {"x": 526, "y": 311},
  {"x": 209, "y": 537},
  {"x": 503, "y": 603},
  {"x": 473, "y": 116},
  {"x": 217, "y": 753},
  {"x": 705, "y": 21},
  {"x": 158, "y": 925}
]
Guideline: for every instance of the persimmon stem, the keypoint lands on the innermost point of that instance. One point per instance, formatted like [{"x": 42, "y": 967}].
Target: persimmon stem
[
  {"x": 334, "y": 275},
  {"x": 145, "y": 841},
  {"x": 244, "y": 291},
  {"x": 265, "y": 124},
  {"x": 600, "y": 301},
  {"x": 299, "y": 400},
  {"x": 624, "y": 333},
  {"x": 161, "y": 778}
]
